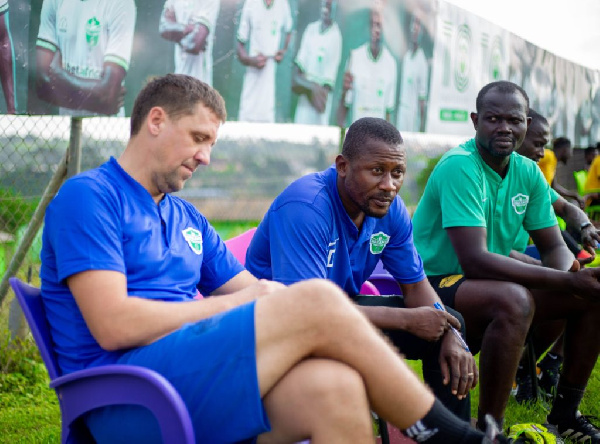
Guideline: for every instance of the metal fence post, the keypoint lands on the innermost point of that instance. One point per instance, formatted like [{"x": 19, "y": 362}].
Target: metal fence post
[{"x": 65, "y": 167}]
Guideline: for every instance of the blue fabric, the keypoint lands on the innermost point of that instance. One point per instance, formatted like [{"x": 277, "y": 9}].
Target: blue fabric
[
  {"x": 216, "y": 377},
  {"x": 307, "y": 233},
  {"x": 105, "y": 220}
]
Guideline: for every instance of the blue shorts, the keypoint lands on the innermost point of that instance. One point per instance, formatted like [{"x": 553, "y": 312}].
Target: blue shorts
[{"x": 212, "y": 364}]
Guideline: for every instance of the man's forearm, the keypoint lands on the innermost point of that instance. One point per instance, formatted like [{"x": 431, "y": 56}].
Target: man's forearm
[{"x": 64, "y": 89}]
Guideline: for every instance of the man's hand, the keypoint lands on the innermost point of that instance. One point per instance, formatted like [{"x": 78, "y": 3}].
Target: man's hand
[
  {"x": 318, "y": 97},
  {"x": 586, "y": 283},
  {"x": 169, "y": 15},
  {"x": 458, "y": 366},
  {"x": 259, "y": 61},
  {"x": 580, "y": 201},
  {"x": 429, "y": 323},
  {"x": 279, "y": 55},
  {"x": 590, "y": 239},
  {"x": 348, "y": 80}
]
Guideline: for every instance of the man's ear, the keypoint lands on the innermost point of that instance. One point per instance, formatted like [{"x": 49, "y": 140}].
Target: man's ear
[
  {"x": 341, "y": 165},
  {"x": 529, "y": 119},
  {"x": 155, "y": 120},
  {"x": 474, "y": 119}
]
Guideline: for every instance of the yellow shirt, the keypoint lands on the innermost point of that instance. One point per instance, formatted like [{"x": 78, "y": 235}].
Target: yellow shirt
[
  {"x": 592, "y": 183},
  {"x": 548, "y": 165}
]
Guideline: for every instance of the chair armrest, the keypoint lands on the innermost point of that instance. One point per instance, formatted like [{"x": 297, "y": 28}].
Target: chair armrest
[{"x": 84, "y": 390}]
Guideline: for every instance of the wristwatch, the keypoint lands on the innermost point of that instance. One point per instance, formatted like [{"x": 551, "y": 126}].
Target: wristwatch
[{"x": 585, "y": 225}]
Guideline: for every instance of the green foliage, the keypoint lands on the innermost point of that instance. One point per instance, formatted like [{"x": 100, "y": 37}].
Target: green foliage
[
  {"x": 424, "y": 174},
  {"x": 229, "y": 229},
  {"x": 14, "y": 209}
]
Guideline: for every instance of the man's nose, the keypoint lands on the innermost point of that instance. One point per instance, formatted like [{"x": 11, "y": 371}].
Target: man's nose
[
  {"x": 203, "y": 156},
  {"x": 388, "y": 183}
]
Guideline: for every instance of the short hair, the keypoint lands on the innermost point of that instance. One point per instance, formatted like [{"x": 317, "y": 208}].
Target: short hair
[
  {"x": 178, "y": 95},
  {"x": 502, "y": 86},
  {"x": 369, "y": 128},
  {"x": 590, "y": 149},
  {"x": 537, "y": 117},
  {"x": 561, "y": 142}
]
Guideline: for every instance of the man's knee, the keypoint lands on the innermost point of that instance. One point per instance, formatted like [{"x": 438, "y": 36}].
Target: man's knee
[
  {"x": 513, "y": 302},
  {"x": 322, "y": 298},
  {"x": 335, "y": 384}
]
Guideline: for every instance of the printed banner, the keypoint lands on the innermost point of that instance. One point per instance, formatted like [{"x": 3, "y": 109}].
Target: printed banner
[{"x": 417, "y": 63}]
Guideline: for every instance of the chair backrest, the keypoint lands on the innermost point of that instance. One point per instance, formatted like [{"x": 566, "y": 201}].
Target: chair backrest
[
  {"x": 239, "y": 244},
  {"x": 30, "y": 299},
  {"x": 580, "y": 179},
  {"x": 384, "y": 281}
]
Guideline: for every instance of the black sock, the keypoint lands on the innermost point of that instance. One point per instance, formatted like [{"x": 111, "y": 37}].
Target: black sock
[
  {"x": 566, "y": 403},
  {"x": 481, "y": 424},
  {"x": 440, "y": 426}
]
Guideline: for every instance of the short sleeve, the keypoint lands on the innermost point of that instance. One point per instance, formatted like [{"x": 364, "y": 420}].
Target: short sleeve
[
  {"x": 244, "y": 29},
  {"x": 219, "y": 265},
  {"x": 460, "y": 186},
  {"x": 540, "y": 213},
  {"x": 302, "y": 57},
  {"x": 390, "y": 97},
  {"x": 206, "y": 12},
  {"x": 83, "y": 226},
  {"x": 333, "y": 63},
  {"x": 47, "y": 37},
  {"x": 298, "y": 249},
  {"x": 288, "y": 23},
  {"x": 120, "y": 33}
]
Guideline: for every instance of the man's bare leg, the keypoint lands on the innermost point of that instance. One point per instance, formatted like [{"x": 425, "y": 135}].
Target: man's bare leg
[
  {"x": 497, "y": 316},
  {"x": 315, "y": 319},
  {"x": 320, "y": 399}
]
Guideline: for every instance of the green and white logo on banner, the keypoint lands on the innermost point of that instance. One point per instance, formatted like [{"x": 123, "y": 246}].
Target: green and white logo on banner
[
  {"x": 92, "y": 32},
  {"x": 462, "y": 65}
]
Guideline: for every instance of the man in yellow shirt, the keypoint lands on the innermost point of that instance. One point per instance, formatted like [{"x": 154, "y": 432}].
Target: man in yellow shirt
[
  {"x": 592, "y": 183},
  {"x": 562, "y": 151}
]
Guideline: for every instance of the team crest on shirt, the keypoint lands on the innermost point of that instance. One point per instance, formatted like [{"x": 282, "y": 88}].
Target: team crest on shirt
[
  {"x": 92, "y": 31},
  {"x": 378, "y": 242},
  {"x": 194, "y": 239},
  {"x": 519, "y": 203}
]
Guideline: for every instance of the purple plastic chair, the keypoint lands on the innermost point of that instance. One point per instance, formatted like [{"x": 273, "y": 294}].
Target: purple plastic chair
[
  {"x": 384, "y": 281},
  {"x": 84, "y": 390}
]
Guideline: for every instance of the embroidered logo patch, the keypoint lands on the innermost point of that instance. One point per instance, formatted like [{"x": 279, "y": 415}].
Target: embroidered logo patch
[
  {"x": 194, "y": 239},
  {"x": 378, "y": 242},
  {"x": 519, "y": 203}
]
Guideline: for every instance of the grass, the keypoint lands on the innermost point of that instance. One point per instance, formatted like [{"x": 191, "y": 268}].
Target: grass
[{"x": 29, "y": 411}]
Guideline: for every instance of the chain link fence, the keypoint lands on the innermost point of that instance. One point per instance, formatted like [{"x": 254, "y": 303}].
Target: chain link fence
[{"x": 250, "y": 165}]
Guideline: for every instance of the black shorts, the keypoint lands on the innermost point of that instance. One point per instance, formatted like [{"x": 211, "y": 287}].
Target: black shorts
[{"x": 446, "y": 286}]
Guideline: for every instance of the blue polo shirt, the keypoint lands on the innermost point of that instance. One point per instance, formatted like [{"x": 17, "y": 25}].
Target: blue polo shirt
[
  {"x": 105, "y": 220},
  {"x": 307, "y": 233}
]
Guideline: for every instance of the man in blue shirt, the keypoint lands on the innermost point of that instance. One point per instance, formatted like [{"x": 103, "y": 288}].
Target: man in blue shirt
[
  {"x": 337, "y": 224},
  {"x": 122, "y": 262}
]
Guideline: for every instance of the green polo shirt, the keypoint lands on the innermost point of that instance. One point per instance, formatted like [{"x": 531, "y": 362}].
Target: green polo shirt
[
  {"x": 463, "y": 191},
  {"x": 523, "y": 237}
]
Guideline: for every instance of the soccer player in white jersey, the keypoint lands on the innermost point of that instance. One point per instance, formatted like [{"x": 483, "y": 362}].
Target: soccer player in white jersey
[
  {"x": 414, "y": 84},
  {"x": 83, "y": 51},
  {"x": 264, "y": 24},
  {"x": 369, "y": 87},
  {"x": 7, "y": 60},
  {"x": 316, "y": 67},
  {"x": 191, "y": 25}
]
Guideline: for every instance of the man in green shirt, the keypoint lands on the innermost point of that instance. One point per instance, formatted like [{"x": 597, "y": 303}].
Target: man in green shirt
[{"x": 476, "y": 200}]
